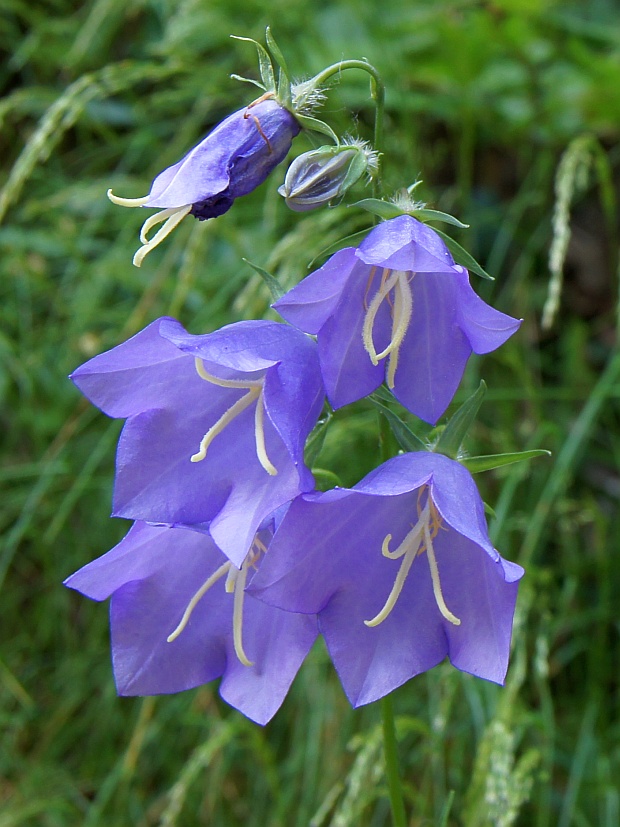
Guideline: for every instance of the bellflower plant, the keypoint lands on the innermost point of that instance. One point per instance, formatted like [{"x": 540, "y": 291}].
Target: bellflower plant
[
  {"x": 396, "y": 308},
  {"x": 401, "y": 573},
  {"x": 231, "y": 161},
  {"x": 216, "y": 424},
  {"x": 180, "y": 618}
]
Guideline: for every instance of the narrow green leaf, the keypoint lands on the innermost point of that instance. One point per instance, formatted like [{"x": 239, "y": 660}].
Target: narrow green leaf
[
  {"x": 486, "y": 463},
  {"x": 384, "y": 209},
  {"x": 264, "y": 63},
  {"x": 407, "y": 440},
  {"x": 445, "y": 812},
  {"x": 314, "y": 125},
  {"x": 275, "y": 288},
  {"x": 276, "y": 53},
  {"x": 283, "y": 93},
  {"x": 452, "y": 436},
  {"x": 436, "y": 215},
  {"x": 248, "y": 80},
  {"x": 461, "y": 256}
]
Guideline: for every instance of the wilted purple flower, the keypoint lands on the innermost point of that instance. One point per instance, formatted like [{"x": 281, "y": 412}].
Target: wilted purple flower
[
  {"x": 231, "y": 161},
  {"x": 180, "y": 618},
  {"x": 216, "y": 424},
  {"x": 401, "y": 572},
  {"x": 397, "y": 299}
]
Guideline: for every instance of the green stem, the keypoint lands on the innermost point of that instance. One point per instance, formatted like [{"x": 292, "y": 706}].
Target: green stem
[
  {"x": 397, "y": 803},
  {"x": 377, "y": 93}
]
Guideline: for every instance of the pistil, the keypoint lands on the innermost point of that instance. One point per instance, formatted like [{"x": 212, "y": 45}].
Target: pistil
[
  {"x": 254, "y": 393},
  {"x": 417, "y": 541},
  {"x": 401, "y": 311},
  {"x": 235, "y": 584},
  {"x": 170, "y": 217}
]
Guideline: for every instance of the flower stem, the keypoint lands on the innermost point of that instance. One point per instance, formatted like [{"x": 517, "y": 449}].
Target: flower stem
[
  {"x": 397, "y": 803},
  {"x": 377, "y": 93}
]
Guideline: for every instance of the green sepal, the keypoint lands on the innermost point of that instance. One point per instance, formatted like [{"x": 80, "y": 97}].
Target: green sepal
[
  {"x": 283, "y": 94},
  {"x": 325, "y": 479},
  {"x": 461, "y": 256},
  {"x": 356, "y": 169},
  {"x": 452, "y": 436},
  {"x": 264, "y": 62},
  {"x": 488, "y": 510},
  {"x": 436, "y": 215},
  {"x": 316, "y": 440},
  {"x": 405, "y": 437},
  {"x": 315, "y": 125},
  {"x": 249, "y": 80},
  {"x": 277, "y": 54},
  {"x": 485, "y": 463},
  {"x": 275, "y": 288},
  {"x": 383, "y": 209}
]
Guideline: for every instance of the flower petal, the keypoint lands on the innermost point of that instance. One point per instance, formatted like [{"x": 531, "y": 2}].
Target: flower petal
[
  {"x": 404, "y": 243},
  {"x": 310, "y": 304},
  {"x": 486, "y": 328},
  {"x": 434, "y": 352},
  {"x": 152, "y": 575}
]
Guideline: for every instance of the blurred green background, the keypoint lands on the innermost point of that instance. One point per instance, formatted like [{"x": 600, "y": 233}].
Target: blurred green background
[{"x": 510, "y": 112}]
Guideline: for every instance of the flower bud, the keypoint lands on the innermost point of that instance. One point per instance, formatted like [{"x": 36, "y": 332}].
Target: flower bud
[{"x": 318, "y": 177}]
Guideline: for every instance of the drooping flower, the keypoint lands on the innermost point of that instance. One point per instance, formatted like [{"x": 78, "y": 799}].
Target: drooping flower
[
  {"x": 401, "y": 573},
  {"x": 216, "y": 424},
  {"x": 396, "y": 308},
  {"x": 180, "y": 617},
  {"x": 231, "y": 161}
]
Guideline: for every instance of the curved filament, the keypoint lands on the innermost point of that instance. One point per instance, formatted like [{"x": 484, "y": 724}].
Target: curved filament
[
  {"x": 171, "y": 219},
  {"x": 217, "y": 574},
  {"x": 254, "y": 389}
]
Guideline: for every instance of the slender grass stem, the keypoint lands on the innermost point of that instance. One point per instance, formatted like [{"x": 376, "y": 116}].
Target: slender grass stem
[{"x": 397, "y": 803}]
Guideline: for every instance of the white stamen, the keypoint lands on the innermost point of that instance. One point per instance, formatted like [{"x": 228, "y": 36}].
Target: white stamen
[
  {"x": 255, "y": 392},
  {"x": 401, "y": 317},
  {"x": 241, "y": 577},
  {"x": 399, "y": 582},
  {"x": 369, "y": 320},
  {"x": 153, "y": 221},
  {"x": 128, "y": 202},
  {"x": 408, "y": 549},
  {"x": 403, "y": 310},
  {"x": 225, "y": 383},
  {"x": 217, "y": 574},
  {"x": 259, "y": 431},
  {"x": 224, "y": 420},
  {"x": 432, "y": 562},
  {"x": 416, "y": 542},
  {"x": 173, "y": 219}
]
